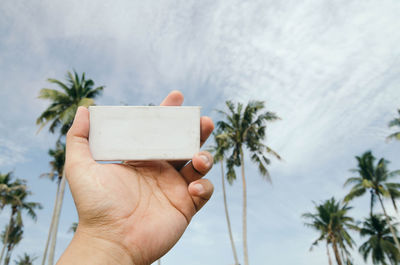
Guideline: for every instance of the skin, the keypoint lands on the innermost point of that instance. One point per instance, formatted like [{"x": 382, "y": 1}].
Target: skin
[{"x": 135, "y": 212}]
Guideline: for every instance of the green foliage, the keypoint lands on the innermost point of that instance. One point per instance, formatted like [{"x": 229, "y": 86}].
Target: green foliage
[
  {"x": 373, "y": 178},
  {"x": 330, "y": 219},
  {"x": 245, "y": 126},
  {"x": 15, "y": 234},
  {"x": 25, "y": 260},
  {"x": 8, "y": 187},
  {"x": 57, "y": 164},
  {"x": 395, "y": 123},
  {"x": 380, "y": 245},
  {"x": 77, "y": 91},
  {"x": 73, "y": 227}
]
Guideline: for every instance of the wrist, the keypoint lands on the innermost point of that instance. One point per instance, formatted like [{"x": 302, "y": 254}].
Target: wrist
[{"x": 87, "y": 249}]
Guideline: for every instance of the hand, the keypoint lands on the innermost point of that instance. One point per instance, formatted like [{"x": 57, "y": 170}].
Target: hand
[{"x": 131, "y": 213}]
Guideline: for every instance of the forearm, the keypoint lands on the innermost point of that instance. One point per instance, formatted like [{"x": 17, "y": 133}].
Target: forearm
[{"x": 85, "y": 249}]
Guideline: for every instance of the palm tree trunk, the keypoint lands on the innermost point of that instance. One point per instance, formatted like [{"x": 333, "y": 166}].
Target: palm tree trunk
[
  {"x": 329, "y": 254},
  {"x": 227, "y": 214},
  {"x": 57, "y": 219},
  {"x": 245, "y": 250},
  {"x": 372, "y": 203},
  {"x": 8, "y": 256},
  {"x": 51, "y": 225},
  {"x": 390, "y": 225},
  {"x": 10, "y": 223},
  {"x": 337, "y": 254}
]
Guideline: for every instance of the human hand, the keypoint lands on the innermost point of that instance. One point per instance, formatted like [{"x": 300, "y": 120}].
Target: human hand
[{"x": 131, "y": 213}]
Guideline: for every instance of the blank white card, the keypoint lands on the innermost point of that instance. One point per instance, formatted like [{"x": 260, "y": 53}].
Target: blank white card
[{"x": 144, "y": 132}]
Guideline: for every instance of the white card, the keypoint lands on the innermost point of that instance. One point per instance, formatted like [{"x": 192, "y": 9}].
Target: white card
[{"x": 144, "y": 132}]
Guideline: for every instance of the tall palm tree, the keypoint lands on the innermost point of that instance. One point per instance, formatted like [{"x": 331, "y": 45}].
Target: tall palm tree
[
  {"x": 332, "y": 222},
  {"x": 395, "y": 123},
  {"x": 56, "y": 173},
  {"x": 14, "y": 237},
  {"x": 18, "y": 202},
  {"x": 376, "y": 179},
  {"x": 77, "y": 91},
  {"x": 26, "y": 259},
  {"x": 221, "y": 145},
  {"x": 246, "y": 128},
  {"x": 380, "y": 244}
]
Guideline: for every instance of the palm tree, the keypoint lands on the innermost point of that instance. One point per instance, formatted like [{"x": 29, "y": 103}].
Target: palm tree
[
  {"x": 77, "y": 91},
  {"x": 9, "y": 196},
  {"x": 332, "y": 222},
  {"x": 73, "y": 227},
  {"x": 221, "y": 145},
  {"x": 14, "y": 237},
  {"x": 25, "y": 260},
  {"x": 375, "y": 178},
  {"x": 56, "y": 173},
  {"x": 18, "y": 202},
  {"x": 246, "y": 128},
  {"x": 7, "y": 185},
  {"x": 395, "y": 123},
  {"x": 380, "y": 244}
]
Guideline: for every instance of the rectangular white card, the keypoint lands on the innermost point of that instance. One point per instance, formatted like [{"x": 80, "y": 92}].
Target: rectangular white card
[{"x": 144, "y": 132}]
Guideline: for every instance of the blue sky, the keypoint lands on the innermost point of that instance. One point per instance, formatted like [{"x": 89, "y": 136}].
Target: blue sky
[{"x": 330, "y": 69}]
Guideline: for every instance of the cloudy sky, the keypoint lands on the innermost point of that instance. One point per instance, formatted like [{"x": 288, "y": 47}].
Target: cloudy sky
[{"x": 329, "y": 69}]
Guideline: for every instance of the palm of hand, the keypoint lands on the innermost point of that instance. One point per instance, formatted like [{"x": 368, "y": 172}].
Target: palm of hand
[{"x": 142, "y": 201}]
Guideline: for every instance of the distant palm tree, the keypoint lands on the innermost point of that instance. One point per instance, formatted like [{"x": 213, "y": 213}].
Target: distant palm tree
[
  {"x": 14, "y": 237},
  {"x": 9, "y": 196},
  {"x": 73, "y": 227},
  {"x": 395, "y": 123},
  {"x": 332, "y": 222},
  {"x": 246, "y": 128},
  {"x": 7, "y": 185},
  {"x": 376, "y": 179},
  {"x": 18, "y": 202},
  {"x": 77, "y": 91},
  {"x": 25, "y": 260},
  {"x": 221, "y": 145},
  {"x": 380, "y": 245}
]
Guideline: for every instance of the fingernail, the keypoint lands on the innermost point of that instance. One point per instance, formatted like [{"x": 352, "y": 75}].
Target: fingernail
[
  {"x": 199, "y": 188},
  {"x": 205, "y": 159}
]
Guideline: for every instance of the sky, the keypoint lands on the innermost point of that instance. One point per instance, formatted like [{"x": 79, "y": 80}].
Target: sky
[{"x": 329, "y": 69}]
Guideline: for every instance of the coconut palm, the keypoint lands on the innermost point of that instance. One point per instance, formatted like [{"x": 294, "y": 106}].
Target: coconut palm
[
  {"x": 376, "y": 179},
  {"x": 14, "y": 237},
  {"x": 221, "y": 145},
  {"x": 332, "y": 222},
  {"x": 18, "y": 202},
  {"x": 73, "y": 227},
  {"x": 380, "y": 245},
  {"x": 7, "y": 185},
  {"x": 246, "y": 127},
  {"x": 395, "y": 123},
  {"x": 25, "y": 260},
  {"x": 56, "y": 173},
  {"x": 77, "y": 91}
]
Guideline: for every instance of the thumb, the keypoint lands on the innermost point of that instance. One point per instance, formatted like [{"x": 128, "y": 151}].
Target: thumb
[{"x": 77, "y": 147}]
